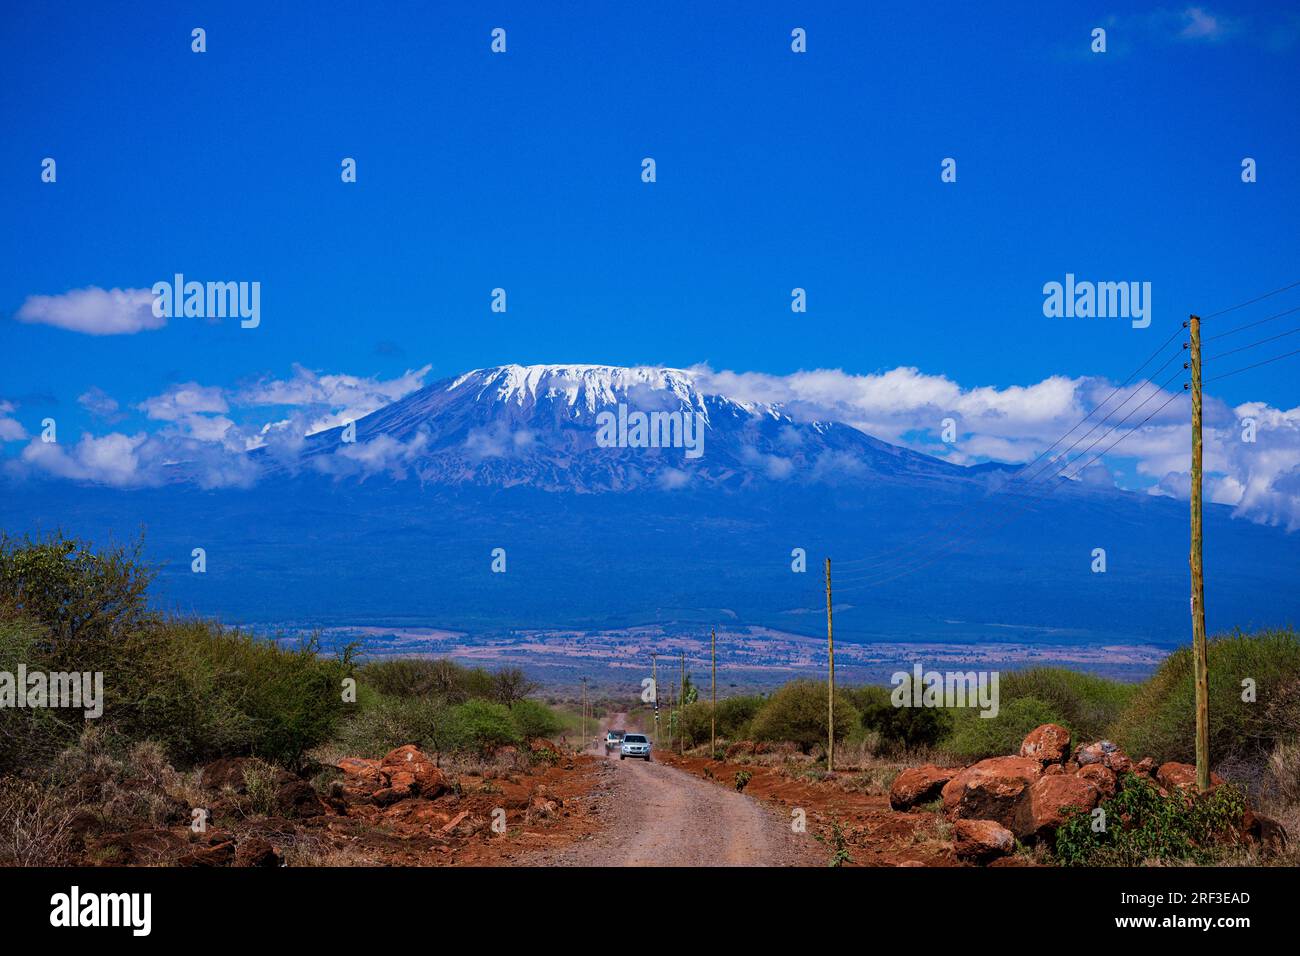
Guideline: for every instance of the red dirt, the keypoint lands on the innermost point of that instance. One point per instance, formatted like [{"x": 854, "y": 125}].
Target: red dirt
[{"x": 875, "y": 834}]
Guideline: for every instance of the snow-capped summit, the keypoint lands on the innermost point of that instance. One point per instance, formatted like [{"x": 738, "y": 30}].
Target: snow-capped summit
[
  {"x": 588, "y": 386},
  {"x": 540, "y": 426}
]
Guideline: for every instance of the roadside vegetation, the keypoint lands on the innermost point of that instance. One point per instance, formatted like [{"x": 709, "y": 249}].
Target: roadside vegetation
[
  {"x": 181, "y": 692},
  {"x": 1254, "y": 742}
]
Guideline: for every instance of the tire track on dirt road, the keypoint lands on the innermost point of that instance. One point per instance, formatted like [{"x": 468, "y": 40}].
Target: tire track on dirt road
[{"x": 656, "y": 815}]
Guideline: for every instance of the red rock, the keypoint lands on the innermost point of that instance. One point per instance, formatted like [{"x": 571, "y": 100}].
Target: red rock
[
  {"x": 1267, "y": 832},
  {"x": 979, "y": 841},
  {"x": 1048, "y": 802},
  {"x": 990, "y": 789},
  {"x": 257, "y": 852},
  {"x": 298, "y": 798},
  {"x": 1177, "y": 776},
  {"x": 1102, "y": 778},
  {"x": 1117, "y": 761},
  {"x": 1047, "y": 743},
  {"x": 918, "y": 785},
  {"x": 426, "y": 779},
  {"x": 1052, "y": 769},
  {"x": 1146, "y": 766},
  {"x": 365, "y": 769},
  {"x": 1093, "y": 753}
]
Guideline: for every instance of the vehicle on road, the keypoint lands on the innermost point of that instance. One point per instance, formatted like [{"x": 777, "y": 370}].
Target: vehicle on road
[
  {"x": 613, "y": 740},
  {"x": 634, "y": 745}
]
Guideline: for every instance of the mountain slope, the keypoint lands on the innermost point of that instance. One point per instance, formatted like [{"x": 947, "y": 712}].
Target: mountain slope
[{"x": 540, "y": 426}]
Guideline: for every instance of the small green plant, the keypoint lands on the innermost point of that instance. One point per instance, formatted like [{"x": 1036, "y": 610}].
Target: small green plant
[
  {"x": 1142, "y": 826},
  {"x": 839, "y": 846},
  {"x": 742, "y": 779}
]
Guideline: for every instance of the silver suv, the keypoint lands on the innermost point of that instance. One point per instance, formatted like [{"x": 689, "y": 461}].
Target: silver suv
[{"x": 634, "y": 745}]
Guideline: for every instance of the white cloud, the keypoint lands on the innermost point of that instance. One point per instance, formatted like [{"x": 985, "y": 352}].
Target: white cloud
[
  {"x": 1018, "y": 423},
  {"x": 99, "y": 403},
  {"x": 10, "y": 428},
  {"x": 1201, "y": 24},
  {"x": 180, "y": 401},
  {"x": 94, "y": 311},
  {"x": 110, "y": 460},
  {"x": 332, "y": 399}
]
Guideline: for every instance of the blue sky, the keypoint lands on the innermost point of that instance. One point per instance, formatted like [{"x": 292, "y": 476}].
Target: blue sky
[{"x": 522, "y": 171}]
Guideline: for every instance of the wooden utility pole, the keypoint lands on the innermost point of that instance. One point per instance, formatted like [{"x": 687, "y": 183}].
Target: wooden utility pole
[
  {"x": 584, "y": 713},
  {"x": 713, "y": 711},
  {"x": 830, "y": 694},
  {"x": 1200, "y": 654},
  {"x": 681, "y": 712},
  {"x": 654, "y": 682}
]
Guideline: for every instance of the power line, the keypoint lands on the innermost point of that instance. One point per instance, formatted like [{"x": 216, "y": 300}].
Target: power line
[
  {"x": 1247, "y": 368},
  {"x": 1027, "y": 500},
  {"x": 1012, "y": 515},
  {"x": 856, "y": 565},
  {"x": 1039, "y": 479},
  {"x": 1251, "y": 325},
  {"x": 1271, "y": 338},
  {"x": 1258, "y": 298}
]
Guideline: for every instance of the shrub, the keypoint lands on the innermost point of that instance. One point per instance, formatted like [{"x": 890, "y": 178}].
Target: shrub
[
  {"x": 36, "y": 825},
  {"x": 1086, "y": 704},
  {"x": 974, "y": 737},
  {"x": 30, "y": 736},
  {"x": 534, "y": 719},
  {"x": 900, "y": 728},
  {"x": 1143, "y": 826},
  {"x": 383, "y": 723},
  {"x": 1160, "y": 720},
  {"x": 204, "y": 691},
  {"x": 797, "y": 713},
  {"x": 425, "y": 677},
  {"x": 79, "y": 595},
  {"x": 485, "y": 725}
]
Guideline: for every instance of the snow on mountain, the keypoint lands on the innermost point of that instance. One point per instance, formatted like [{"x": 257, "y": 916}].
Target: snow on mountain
[{"x": 540, "y": 425}]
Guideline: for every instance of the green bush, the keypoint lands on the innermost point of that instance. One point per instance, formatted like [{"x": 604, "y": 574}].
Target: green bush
[
  {"x": 900, "y": 728},
  {"x": 1144, "y": 827},
  {"x": 1086, "y": 704},
  {"x": 425, "y": 677},
  {"x": 384, "y": 723},
  {"x": 30, "y": 735},
  {"x": 974, "y": 737},
  {"x": 534, "y": 719},
  {"x": 797, "y": 713},
  {"x": 485, "y": 725},
  {"x": 204, "y": 691},
  {"x": 198, "y": 689},
  {"x": 734, "y": 716},
  {"x": 1160, "y": 720},
  {"x": 84, "y": 599}
]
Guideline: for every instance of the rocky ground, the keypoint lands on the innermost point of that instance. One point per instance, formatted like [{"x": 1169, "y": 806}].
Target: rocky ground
[{"x": 548, "y": 806}]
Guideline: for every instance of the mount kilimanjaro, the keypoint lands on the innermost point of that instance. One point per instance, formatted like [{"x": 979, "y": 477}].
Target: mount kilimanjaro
[{"x": 394, "y": 520}]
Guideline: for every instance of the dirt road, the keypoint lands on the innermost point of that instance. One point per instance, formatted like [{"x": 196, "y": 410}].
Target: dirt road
[{"x": 656, "y": 815}]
